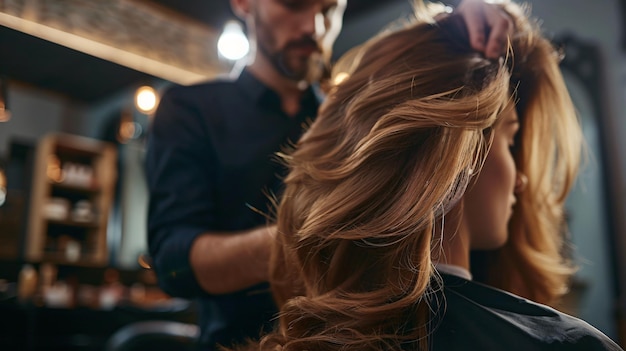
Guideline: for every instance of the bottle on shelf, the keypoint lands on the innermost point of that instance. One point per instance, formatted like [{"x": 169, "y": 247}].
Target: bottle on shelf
[{"x": 27, "y": 283}]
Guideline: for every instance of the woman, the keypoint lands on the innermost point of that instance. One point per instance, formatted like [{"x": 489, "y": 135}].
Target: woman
[
  {"x": 530, "y": 263},
  {"x": 423, "y": 153}
]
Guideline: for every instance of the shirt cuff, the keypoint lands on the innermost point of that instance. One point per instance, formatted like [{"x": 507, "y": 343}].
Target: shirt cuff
[{"x": 171, "y": 263}]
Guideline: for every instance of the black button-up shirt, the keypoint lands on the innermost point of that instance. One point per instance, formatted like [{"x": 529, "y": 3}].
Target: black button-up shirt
[{"x": 211, "y": 161}]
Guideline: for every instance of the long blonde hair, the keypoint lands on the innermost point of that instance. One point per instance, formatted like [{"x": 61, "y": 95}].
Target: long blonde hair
[
  {"x": 532, "y": 263},
  {"x": 391, "y": 149}
]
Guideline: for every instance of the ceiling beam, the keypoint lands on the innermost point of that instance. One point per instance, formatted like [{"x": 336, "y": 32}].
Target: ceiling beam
[{"x": 130, "y": 33}]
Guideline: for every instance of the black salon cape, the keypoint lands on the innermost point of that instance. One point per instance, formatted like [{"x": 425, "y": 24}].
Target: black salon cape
[{"x": 473, "y": 316}]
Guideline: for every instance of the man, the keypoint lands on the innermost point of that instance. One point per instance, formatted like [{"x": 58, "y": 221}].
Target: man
[{"x": 210, "y": 164}]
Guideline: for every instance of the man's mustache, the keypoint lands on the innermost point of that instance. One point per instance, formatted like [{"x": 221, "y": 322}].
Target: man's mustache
[{"x": 305, "y": 42}]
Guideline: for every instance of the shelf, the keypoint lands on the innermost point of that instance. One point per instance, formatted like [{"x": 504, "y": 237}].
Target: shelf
[
  {"x": 75, "y": 189},
  {"x": 54, "y": 151},
  {"x": 61, "y": 259},
  {"x": 79, "y": 146},
  {"x": 70, "y": 223}
]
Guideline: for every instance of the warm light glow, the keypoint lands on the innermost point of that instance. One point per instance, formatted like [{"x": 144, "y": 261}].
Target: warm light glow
[
  {"x": 3, "y": 187},
  {"x": 129, "y": 130},
  {"x": 54, "y": 170},
  {"x": 5, "y": 115},
  {"x": 340, "y": 77},
  {"x": 3, "y": 179},
  {"x": 146, "y": 99},
  {"x": 233, "y": 43}
]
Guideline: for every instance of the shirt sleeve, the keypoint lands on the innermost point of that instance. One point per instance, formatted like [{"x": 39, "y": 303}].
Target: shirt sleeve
[{"x": 180, "y": 179}]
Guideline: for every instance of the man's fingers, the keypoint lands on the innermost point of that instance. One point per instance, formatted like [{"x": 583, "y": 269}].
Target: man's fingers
[
  {"x": 498, "y": 36},
  {"x": 472, "y": 12},
  {"x": 476, "y": 31},
  {"x": 488, "y": 27}
]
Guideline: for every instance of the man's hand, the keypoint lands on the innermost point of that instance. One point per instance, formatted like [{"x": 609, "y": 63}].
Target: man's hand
[{"x": 489, "y": 27}]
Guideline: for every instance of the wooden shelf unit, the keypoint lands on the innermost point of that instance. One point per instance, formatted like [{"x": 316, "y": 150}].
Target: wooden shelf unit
[{"x": 48, "y": 237}]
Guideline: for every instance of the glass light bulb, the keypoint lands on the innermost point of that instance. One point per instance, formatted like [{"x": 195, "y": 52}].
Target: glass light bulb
[
  {"x": 233, "y": 43},
  {"x": 145, "y": 99}
]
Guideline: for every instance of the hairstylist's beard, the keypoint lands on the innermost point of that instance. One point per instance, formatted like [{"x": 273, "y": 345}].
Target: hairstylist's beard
[{"x": 311, "y": 71}]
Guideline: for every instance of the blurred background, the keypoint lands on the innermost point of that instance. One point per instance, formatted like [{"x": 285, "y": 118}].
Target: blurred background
[{"x": 79, "y": 82}]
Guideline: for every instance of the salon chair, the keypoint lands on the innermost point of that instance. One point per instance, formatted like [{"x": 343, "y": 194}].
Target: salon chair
[{"x": 154, "y": 335}]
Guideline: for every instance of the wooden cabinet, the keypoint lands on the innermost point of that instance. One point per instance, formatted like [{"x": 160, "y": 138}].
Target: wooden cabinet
[{"x": 71, "y": 197}]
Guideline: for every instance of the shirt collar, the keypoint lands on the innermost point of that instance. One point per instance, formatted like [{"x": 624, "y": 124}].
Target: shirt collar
[
  {"x": 251, "y": 85},
  {"x": 258, "y": 91},
  {"x": 454, "y": 270}
]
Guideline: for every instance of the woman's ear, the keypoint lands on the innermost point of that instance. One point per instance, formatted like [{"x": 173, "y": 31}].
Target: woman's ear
[{"x": 241, "y": 8}]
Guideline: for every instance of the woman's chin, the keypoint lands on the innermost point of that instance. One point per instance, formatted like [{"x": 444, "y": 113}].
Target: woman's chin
[{"x": 491, "y": 243}]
